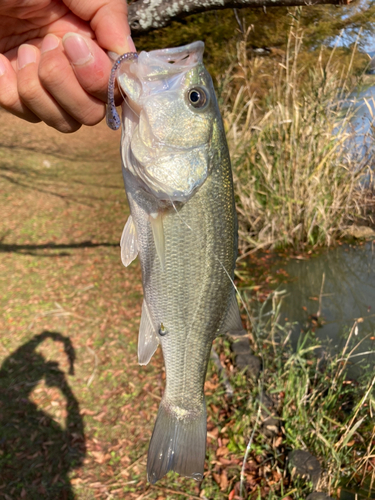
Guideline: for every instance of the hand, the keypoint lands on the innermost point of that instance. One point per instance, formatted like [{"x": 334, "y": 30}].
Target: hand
[{"x": 53, "y": 61}]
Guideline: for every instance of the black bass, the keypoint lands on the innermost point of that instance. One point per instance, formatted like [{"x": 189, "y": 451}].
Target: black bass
[{"x": 178, "y": 181}]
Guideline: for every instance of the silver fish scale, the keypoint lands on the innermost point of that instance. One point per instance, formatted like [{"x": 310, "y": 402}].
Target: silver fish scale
[{"x": 190, "y": 296}]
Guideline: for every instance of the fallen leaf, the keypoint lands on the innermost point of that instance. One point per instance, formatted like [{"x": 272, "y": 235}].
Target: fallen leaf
[
  {"x": 225, "y": 461},
  {"x": 216, "y": 477},
  {"x": 223, "y": 480},
  {"x": 278, "y": 442},
  {"x": 76, "y": 480},
  {"x": 100, "y": 457},
  {"x": 211, "y": 435},
  {"x": 100, "y": 416},
  {"x": 208, "y": 385},
  {"x": 85, "y": 411},
  {"x": 222, "y": 451}
]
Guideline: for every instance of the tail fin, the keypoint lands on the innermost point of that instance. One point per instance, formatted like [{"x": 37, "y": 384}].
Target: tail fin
[{"x": 177, "y": 444}]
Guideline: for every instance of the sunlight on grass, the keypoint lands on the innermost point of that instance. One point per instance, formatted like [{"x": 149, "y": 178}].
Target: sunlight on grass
[{"x": 297, "y": 177}]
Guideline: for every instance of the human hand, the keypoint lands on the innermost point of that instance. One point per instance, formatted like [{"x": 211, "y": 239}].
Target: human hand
[{"x": 53, "y": 62}]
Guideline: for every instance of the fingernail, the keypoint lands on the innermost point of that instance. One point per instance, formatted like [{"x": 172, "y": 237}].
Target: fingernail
[
  {"x": 76, "y": 49},
  {"x": 131, "y": 46},
  {"x": 50, "y": 42},
  {"x": 26, "y": 55},
  {"x": 3, "y": 68}
]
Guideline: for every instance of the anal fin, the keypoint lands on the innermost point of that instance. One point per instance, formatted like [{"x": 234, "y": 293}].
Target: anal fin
[
  {"x": 148, "y": 340},
  {"x": 158, "y": 233},
  {"x": 128, "y": 243}
]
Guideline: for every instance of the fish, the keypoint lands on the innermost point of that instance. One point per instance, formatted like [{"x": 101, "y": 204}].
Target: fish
[{"x": 183, "y": 226}]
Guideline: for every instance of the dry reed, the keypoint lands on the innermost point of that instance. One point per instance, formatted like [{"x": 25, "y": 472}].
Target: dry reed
[{"x": 298, "y": 168}]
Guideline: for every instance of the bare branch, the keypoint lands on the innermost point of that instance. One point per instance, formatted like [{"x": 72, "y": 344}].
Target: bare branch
[{"x": 147, "y": 15}]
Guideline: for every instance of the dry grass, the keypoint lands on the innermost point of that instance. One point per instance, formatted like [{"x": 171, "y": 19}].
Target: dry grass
[{"x": 297, "y": 170}]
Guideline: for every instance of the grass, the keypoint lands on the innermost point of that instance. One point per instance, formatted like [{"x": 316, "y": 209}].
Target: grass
[
  {"x": 297, "y": 179},
  {"x": 319, "y": 410}
]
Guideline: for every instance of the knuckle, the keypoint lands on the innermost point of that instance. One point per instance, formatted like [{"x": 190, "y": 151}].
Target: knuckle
[
  {"x": 28, "y": 88},
  {"x": 50, "y": 71},
  {"x": 67, "y": 127},
  {"x": 93, "y": 115},
  {"x": 96, "y": 86},
  {"x": 9, "y": 99}
]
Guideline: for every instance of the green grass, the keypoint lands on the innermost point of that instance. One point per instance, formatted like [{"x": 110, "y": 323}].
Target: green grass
[{"x": 320, "y": 410}]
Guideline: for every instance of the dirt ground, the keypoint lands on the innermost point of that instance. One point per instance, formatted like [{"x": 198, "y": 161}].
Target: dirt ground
[{"x": 76, "y": 409}]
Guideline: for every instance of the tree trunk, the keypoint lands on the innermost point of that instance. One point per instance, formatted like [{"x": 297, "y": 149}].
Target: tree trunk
[{"x": 147, "y": 15}]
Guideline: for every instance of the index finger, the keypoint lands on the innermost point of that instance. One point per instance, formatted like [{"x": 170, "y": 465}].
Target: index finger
[{"x": 109, "y": 21}]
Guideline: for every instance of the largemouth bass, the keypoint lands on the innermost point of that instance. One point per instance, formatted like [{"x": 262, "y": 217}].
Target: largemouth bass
[{"x": 178, "y": 181}]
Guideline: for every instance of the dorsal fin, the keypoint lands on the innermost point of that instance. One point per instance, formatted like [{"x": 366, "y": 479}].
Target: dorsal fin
[
  {"x": 128, "y": 243},
  {"x": 158, "y": 233},
  {"x": 148, "y": 340}
]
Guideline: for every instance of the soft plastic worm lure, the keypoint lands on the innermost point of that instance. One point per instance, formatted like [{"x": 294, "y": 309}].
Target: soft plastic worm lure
[{"x": 112, "y": 117}]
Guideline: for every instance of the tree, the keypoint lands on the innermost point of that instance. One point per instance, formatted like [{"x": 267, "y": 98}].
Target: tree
[{"x": 147, "y": 15}]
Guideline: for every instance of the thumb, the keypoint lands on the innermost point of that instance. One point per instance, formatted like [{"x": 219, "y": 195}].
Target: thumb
[
  {"x": 109, "y": 21},
  {"x": 90, "y": 63}
]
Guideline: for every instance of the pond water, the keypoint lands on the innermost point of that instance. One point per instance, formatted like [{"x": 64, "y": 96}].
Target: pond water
[
  {"x": 363, "y": 120},
  {"x": 329, "y": 293}
]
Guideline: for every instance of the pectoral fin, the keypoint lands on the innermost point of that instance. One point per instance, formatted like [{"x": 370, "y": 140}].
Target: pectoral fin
[
  {"x": 232, "y": 322},
  {"x": 128, "y": 243},
  {"x": 158, "y": 233},
  {"x": 148, "y": 340}
]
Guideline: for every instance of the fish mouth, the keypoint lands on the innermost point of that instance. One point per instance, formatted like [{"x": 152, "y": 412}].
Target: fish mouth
[{"x": 172, "y": 60}]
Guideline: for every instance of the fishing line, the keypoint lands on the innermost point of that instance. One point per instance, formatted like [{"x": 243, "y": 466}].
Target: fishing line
[{"x": 123, "y": 95}]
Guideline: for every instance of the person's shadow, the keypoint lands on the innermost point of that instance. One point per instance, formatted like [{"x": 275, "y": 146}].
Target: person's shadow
[{"x": 36, "y": 453}]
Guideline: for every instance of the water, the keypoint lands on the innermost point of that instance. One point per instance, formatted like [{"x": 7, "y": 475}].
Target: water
[
  {"x": 364, "y": 117},
  {"x": 361, "y": 149},
  {"x": 362, "y": 121},
  {"x": 328, "y": 293}
]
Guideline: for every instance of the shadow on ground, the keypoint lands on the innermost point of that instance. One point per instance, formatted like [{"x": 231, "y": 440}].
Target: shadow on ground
[
  {"x": 29, "y": 249},
  {"x": 36, "y": 453}
]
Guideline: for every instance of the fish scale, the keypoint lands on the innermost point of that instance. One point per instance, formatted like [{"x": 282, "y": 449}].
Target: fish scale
[{"x": 178, "y": 181}]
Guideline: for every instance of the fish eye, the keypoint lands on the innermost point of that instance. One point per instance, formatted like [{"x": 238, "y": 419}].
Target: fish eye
[{"x": 198, "y": 97}]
